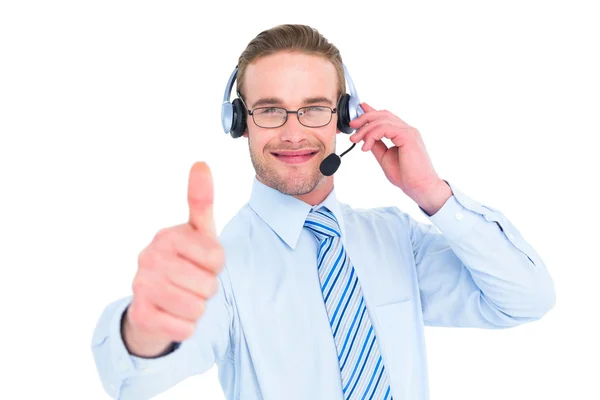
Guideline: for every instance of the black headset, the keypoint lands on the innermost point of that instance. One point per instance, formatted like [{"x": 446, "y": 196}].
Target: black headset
[{"x": 233, "y": 114}]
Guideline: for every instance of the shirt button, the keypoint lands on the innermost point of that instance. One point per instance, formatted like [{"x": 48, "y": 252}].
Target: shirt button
[{"x": 459, "y": 215}]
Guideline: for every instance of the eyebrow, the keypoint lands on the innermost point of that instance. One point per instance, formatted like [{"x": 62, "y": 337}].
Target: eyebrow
[{"x": 269, "y": 101}]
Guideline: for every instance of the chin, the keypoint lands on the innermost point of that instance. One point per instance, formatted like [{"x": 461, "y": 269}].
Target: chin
[
  {"x": 293, "y": 182},
  {"x": 290, "y": 180}
]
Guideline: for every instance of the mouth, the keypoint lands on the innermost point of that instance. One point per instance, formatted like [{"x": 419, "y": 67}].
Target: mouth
[{"x": 295, "y": 157}]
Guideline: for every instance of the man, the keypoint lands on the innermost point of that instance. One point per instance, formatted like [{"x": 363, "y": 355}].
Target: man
[{"x": 303, "y": 297}]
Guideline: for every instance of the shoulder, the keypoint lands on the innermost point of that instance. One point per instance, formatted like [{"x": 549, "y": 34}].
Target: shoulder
[{"x": 238, "y": 226}]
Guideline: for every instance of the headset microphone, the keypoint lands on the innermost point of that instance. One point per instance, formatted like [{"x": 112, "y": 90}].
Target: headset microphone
[{"x": 332, "y": 162}]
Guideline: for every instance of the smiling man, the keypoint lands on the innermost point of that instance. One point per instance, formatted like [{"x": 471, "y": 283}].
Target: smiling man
[
  {"x": 302, "y": 296},
  {"x": 285, "y": 153}
]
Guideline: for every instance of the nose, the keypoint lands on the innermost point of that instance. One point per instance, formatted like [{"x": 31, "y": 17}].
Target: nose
[{"x": 293, "y": 131}]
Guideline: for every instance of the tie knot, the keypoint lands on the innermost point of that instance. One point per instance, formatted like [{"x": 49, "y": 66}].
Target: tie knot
[{"x": 322, "y": 223}]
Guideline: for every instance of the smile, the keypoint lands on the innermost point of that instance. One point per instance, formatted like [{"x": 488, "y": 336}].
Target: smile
[{"x": 295, "y": 157}]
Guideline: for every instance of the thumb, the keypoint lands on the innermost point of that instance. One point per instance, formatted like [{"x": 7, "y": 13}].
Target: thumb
[{"x": 200, "y": 198}]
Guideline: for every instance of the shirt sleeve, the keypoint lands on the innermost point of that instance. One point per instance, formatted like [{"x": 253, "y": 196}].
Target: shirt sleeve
[
  {"x": 475, "y": 269},
  {"x": 125, "y": 376}
]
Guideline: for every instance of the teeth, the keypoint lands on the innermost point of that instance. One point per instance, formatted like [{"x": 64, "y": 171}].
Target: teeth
[{"x": 296, "y": 155}]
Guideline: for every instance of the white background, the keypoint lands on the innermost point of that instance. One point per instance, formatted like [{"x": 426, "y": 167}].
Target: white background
[{"x": 104, "y": 106}]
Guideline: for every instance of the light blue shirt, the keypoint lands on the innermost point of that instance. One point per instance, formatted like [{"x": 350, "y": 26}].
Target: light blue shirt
[{"x": 267, "y": 328}]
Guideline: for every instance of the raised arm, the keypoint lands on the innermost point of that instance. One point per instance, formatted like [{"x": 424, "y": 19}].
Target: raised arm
[
  {"x": 475, "y": 269},
  {"x": 179, "y": 320}
]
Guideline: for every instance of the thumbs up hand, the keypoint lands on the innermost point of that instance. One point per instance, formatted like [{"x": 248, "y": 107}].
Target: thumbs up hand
[{"x": 177, "y": 274}]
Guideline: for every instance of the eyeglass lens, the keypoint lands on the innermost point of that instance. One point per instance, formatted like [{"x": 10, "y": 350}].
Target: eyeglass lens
[{"x": 273, "y": 117}]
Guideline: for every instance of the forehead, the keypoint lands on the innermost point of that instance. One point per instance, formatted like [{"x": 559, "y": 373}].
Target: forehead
[{"x": 290, "y": 77}]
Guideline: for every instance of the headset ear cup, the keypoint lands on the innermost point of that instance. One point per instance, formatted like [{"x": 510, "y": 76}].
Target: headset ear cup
[
  {"x": 343, "y": 123},
  {"x": 238, "y": 124}
]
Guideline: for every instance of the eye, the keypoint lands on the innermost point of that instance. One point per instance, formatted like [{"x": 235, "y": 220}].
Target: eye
[{"x": 269, "y": 110}]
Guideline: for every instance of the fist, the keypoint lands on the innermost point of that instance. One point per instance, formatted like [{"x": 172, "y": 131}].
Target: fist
[{"x": 177, "y": 272}]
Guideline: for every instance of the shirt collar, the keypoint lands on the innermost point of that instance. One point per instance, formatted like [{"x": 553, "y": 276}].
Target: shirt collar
[{"x": 286, "y": 214}]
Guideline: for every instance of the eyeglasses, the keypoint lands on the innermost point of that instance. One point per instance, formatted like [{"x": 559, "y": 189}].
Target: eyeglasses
[{"x": 274, "y": 117}]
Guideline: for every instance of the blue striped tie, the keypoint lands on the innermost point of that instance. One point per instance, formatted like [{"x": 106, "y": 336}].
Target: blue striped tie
[{"x": 361, "y": 365}]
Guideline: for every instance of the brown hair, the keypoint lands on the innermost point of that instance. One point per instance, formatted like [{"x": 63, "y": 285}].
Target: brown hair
[{"x": 288, "y": 37}]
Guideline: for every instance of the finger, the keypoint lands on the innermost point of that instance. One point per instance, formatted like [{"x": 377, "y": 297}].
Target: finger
[
  {"x": 366, "y": 130},
  {"x": 188, "y": 276},
  {"x": 396, "y": 132},
  {"x": 204, "y": 252},
  {"x": 370, "y": 114},
  {"x": 366, "y": 107},
  {"x": 359, "y": 134},
  {"x": 373, "y": 136},
  {"x": 368, "y": 143},
  {"x": 198, "y": 249},
  {"x": 179, "y": 303},
  {"x": 379, "y": 149},
  {"x": 200, "y": 198},
  {"x": 366, "y": 118},
  {"x": 149, "y": 318},
  {"x": 170, "y": 298}
]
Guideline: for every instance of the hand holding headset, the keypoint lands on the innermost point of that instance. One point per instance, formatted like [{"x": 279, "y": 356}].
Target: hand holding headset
[{"x": 233, "y": 118}]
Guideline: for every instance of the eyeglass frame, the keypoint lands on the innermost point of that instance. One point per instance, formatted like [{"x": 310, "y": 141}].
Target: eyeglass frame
[{"x": 287, "y": 112}]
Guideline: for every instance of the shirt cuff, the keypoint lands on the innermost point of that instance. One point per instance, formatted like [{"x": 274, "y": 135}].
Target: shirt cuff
[
  {"x": 458, "y": 215},
  {"x": 126, "y": 363}
]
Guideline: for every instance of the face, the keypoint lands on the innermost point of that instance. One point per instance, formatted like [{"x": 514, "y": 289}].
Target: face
[{"x": 291, "y": 81}]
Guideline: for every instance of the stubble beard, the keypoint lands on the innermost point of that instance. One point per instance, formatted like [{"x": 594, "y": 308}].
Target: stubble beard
[{"x": 296, "y": 182}]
